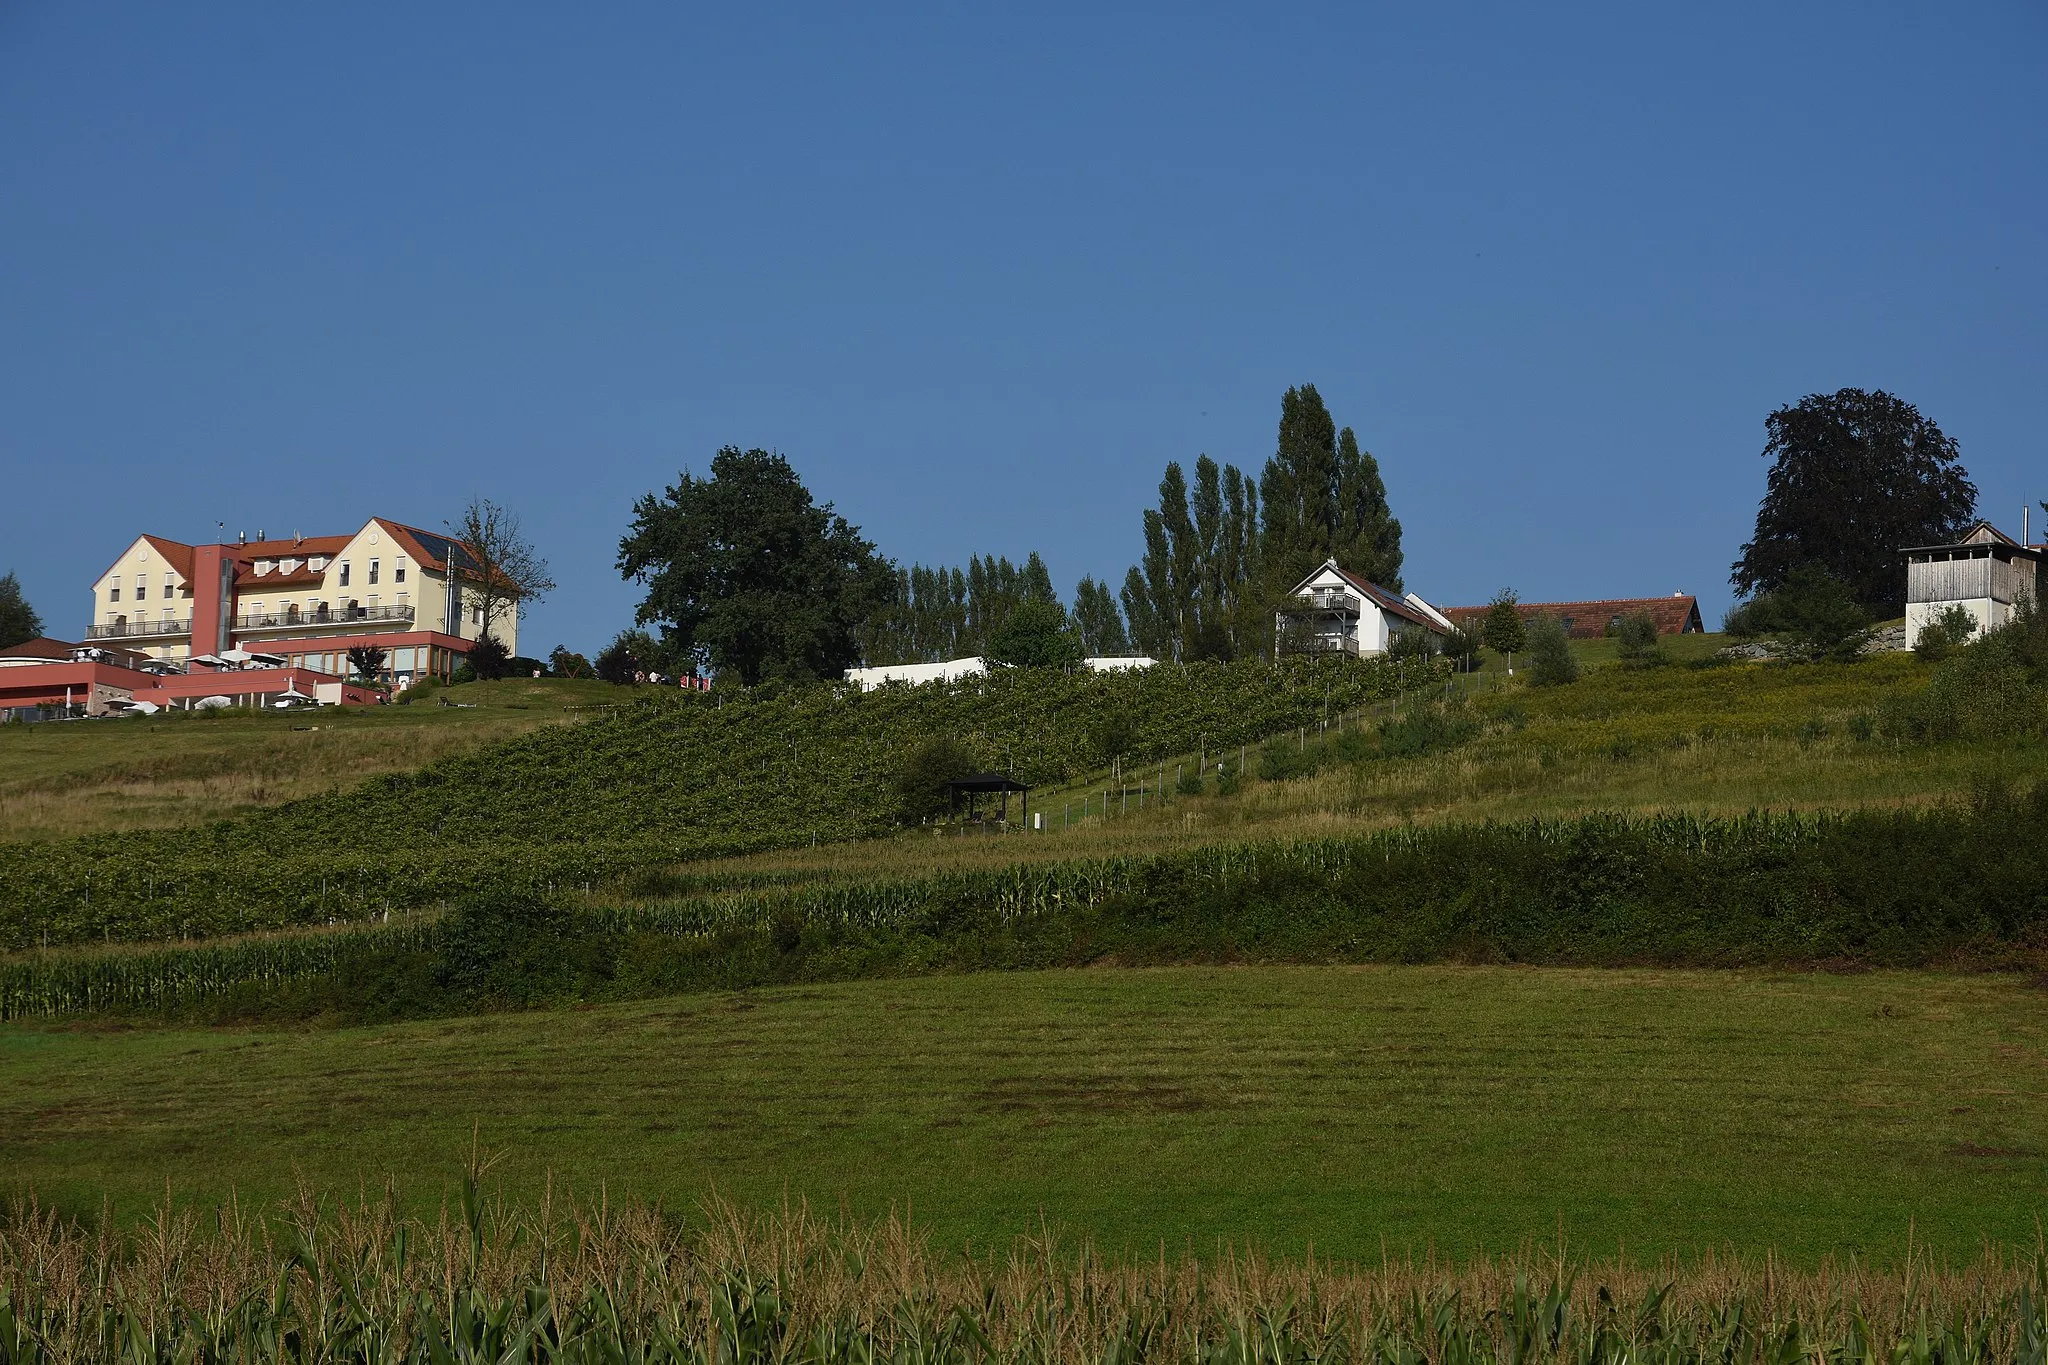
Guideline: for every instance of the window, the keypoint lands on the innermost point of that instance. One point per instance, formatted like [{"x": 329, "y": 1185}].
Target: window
[
  {"x": 114, "y": 588},
  {"x": 142, "y": 587},
  {"x": 264, "y": 566},
  {"x": 344, "y": 573},
  {"x": 255, "y": 608},
  {"x": 373, "y": 569},
  {"x": 476, "y": 615},
  {"x": 398, "y": 571},
  {"x": 170, "y": 590},
  {"x": 319, "y": 563}
]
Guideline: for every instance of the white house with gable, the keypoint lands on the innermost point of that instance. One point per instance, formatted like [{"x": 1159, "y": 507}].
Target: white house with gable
[{"x": 1337, "y": 612}]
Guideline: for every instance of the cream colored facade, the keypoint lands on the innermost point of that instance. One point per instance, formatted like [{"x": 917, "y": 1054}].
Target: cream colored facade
[
  {"x": 386, "y": 578},
  {"x": 144, "y": 587}
]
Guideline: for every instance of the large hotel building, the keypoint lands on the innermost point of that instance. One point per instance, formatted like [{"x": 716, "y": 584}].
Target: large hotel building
[{"x": 308, "y": 599}]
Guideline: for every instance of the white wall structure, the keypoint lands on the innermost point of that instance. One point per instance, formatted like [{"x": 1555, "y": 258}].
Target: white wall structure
[
  {"x": 1337, "y": 612},
  {"x": 1116, "y": 663},
  {"x": 912, "y": 675},
  {"x": 1987, "y": 573}
]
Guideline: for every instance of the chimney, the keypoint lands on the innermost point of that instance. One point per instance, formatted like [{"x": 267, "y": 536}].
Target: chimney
[
  {"x": 260, "y": 537},
  {"x": 241, "y": 537}
]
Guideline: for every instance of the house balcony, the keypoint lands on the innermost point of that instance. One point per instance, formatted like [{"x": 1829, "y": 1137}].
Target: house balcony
[
  {"x": 335, "y": 621},
  {"x": 1333, "y": 601},
  {"x": 140, "y": 630}
]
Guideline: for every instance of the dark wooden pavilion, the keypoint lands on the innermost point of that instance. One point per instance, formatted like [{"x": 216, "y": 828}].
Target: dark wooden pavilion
[{"x": 974, "y": 784}]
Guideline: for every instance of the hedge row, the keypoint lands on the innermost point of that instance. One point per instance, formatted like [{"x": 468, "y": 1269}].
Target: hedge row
[{"x": 1951, "y": 886}]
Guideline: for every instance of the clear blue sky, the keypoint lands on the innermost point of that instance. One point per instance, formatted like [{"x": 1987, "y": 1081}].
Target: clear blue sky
[{"x": 981, "y": 272}]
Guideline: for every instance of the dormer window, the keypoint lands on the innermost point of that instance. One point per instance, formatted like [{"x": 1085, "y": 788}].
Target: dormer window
[
  {"x": 319, "y": 563},
  {"x": 291, "y": 566},
  {"x": 264, "y": 566}
]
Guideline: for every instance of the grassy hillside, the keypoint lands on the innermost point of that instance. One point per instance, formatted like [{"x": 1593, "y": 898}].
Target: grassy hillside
[
  {"x": 679, "y": 776},
  {"x": 63, "y": 780},
  {"x": 1458, "y": 1108}
]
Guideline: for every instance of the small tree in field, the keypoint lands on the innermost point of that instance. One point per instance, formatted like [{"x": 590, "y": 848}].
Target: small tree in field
[
  {"x": 1551, "y": 663},
  {"x": 1503, "y": 630},
  {"x": 1637, "y": 635}
]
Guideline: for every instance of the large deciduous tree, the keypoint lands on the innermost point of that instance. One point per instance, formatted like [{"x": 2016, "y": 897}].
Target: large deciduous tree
[
  {"x": 743, "y": 569},
  {"x": 1855, "y": 477},
  {"x": 18, "y": 620}
]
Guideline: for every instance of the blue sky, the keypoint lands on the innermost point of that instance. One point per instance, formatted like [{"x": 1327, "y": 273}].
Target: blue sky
[{"x": 981, "y": 272}]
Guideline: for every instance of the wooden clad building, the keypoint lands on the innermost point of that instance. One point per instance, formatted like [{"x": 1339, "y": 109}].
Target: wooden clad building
[{"x": 1987, "y": 573}]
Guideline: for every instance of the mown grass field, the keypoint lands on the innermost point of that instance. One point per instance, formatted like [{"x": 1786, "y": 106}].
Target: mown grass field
[
  {"x": 58, "y": 780},
  {"x": 1348, "y": 1109}
]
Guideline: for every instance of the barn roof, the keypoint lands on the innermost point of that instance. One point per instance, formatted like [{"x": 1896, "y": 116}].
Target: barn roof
[{"x": 1674, "y": 615}]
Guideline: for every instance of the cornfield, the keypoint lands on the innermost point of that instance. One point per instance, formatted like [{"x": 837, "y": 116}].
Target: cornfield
[{"x": 611, "y": 1285}]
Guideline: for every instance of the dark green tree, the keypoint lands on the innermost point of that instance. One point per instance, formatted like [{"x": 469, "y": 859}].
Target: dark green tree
[
  {"x": 1298, "y": 489},
  {"x": 1368, "y": 538},
  {"x": 921, "y": 791},
  {"x": 488, "y": 658},
  {"x": 18, "y": 620},
  {"x": 1855, "y": 478},
  {"x": 1035, "y": 634},
  {"x": 744, "y": 569},
  {"x": 1096, "y": 617}
]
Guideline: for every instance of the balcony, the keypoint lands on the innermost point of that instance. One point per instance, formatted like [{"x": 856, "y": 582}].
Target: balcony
[
  {"x": 139, "y": 630},
  {"x": 336, "y": 619},
  {"x": 1334, "y": 600}
]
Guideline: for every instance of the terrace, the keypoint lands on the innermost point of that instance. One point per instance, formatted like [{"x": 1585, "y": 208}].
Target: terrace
[
  {"x": 125, "y": 629},
  {"x": 344, "y": 618}
]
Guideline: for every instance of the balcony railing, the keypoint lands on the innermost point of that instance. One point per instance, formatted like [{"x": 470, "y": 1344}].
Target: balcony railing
[
  {"x": 131, "y": 630},
  {"x": 1331, "y": 599},
  {"x": 337, "y": 616}
]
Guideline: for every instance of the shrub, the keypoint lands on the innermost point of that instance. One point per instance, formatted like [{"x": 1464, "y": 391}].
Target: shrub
[
  {"x": 488, "y": 658},
  {"x": 1284, "y": 757},
  {"x": 1813, "y": 616},
  {"x": 1948, "y": 632},
  {"x": 1190, "y": 783},
  {"x": 1551, "y": 663},
  {"x": 921, "y": 792},
  {"x": 1637, "y": 635}
]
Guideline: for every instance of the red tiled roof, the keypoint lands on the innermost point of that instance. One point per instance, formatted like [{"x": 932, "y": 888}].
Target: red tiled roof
[{"x": 1590, "y": 620}]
